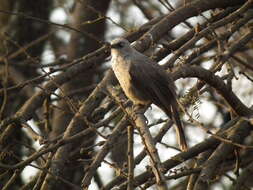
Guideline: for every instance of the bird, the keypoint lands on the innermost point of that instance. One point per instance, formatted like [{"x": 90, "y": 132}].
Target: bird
[{"x": 144, "y": 82}]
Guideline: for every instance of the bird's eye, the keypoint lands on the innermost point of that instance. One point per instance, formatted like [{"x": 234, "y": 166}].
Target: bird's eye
[
  {"x": 118, "y": 45},
  {"x": 121, "y": 44}
]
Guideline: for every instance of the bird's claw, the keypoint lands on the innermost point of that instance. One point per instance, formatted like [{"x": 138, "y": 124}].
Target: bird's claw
[{"x": 139, "y": 109}]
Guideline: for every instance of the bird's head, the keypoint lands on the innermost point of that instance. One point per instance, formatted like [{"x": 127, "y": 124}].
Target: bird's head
[{"x": 120, "y": 45}]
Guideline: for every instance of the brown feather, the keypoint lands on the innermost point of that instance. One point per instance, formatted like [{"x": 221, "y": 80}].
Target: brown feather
[{"x": 153, "y": 82}]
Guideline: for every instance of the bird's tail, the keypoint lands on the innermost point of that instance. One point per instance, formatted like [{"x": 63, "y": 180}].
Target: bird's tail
[{"x": 179, "y": 128}]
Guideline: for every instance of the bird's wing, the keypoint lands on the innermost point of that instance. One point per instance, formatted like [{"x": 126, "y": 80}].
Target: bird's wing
[
  {"x": 154, "y": 82},
  {"x": 159, "y": 88}
]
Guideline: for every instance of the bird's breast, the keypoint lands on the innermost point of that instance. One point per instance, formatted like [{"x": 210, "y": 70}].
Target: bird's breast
[{"x": 121, "y": 68}]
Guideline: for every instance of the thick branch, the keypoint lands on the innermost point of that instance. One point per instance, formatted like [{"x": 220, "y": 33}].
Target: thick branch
[
  {"x": 217, "y": 83},
  {"x": 178, "y": 16}
]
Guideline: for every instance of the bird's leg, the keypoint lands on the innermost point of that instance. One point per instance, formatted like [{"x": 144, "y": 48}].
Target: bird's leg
[{"x": 139, "y": 109}]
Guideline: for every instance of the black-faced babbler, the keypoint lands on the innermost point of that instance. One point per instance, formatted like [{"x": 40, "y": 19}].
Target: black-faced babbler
[{"x": 144, "y": 82}]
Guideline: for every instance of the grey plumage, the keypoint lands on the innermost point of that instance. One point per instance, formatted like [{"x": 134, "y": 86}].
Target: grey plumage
[{"x": 144, "y": 82}]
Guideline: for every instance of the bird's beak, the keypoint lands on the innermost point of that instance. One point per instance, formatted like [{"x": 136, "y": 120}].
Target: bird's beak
[{"x": 113, "y": 46}]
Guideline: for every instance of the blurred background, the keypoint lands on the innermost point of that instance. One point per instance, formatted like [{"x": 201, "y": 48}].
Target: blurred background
[{"x": 55, "y": 63}]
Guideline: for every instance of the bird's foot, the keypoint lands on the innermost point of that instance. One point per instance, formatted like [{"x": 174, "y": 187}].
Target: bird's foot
[{"x": 139, "y": 109}]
